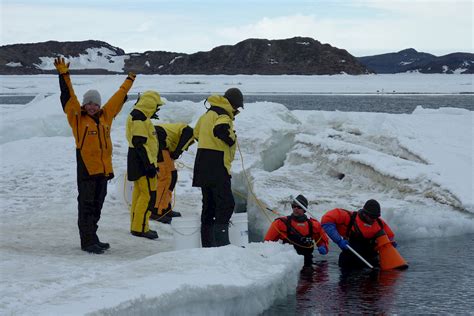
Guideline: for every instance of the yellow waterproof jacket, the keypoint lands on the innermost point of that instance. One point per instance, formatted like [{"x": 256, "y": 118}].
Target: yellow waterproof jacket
[
  {"x": 92, "y": 134},
  {"x": 141, "y": 135},
  {"x": 216, "y": 143},
  {"x": 174, "y": 137}
]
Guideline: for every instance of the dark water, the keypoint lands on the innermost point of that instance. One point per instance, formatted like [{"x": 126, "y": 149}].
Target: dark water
[
  {"x": 388, "y": 103},
  {"x": 439, "y": 281}
]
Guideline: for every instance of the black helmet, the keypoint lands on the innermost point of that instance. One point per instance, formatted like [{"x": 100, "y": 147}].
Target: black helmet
[
  {"x": 235, "y": 98},
  {"x": 372, "y": 208}
]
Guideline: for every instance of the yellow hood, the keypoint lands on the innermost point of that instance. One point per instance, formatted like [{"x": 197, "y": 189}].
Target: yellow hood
[
  {"x": 221, "y": 102},
  {"x": 149, "y": 102}
]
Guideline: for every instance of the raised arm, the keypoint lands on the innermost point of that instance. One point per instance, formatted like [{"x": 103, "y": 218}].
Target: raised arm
[
  {"x": 115, "y": 103},
  {"x": 69, "y": 101}
]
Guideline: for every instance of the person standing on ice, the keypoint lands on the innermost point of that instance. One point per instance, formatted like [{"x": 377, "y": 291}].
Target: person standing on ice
[
  {"x": 300, "y": 231},
  {"x": 91, "y": 127},
  {"x": 142, "y": 165},
  {"x": 173, "y": 139},
  {"x": 359, "y": 230},
  {"x": 216, "y": 149}
]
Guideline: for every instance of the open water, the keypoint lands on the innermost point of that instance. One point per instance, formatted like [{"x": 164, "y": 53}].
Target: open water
[
  {"x": 388, "y": 103},
  {"x": 439, "y": 281}
]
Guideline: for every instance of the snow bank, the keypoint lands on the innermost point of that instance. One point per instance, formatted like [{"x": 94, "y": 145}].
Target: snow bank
[{"x": 224, "y": 281}]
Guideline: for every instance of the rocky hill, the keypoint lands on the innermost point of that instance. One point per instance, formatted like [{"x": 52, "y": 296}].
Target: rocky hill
[
  {"x": 298, "y": 56},
  {"x": 409, "y": 60},
  {"x": 89, "y": 57}
]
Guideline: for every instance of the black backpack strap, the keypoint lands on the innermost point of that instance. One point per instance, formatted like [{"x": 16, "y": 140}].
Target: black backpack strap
[
  {"x": 310, "y": 228},
  {"x": 351, "y": 223}
]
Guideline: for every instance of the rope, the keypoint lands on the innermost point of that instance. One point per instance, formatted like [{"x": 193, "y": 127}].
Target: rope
[
  {"x": 260, "y": 205},
  {"x": 262, "y": 208}
]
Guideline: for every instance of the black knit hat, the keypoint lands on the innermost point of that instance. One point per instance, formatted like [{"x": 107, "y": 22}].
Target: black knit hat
[
  {"x": 300, "y": 198},
  {"x": 235, "y": 98},
  {"x": 372, "y": 208}
]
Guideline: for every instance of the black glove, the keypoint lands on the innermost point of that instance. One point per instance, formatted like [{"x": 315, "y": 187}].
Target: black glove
[
  {"x": 175, "y": 154},
  {"x": 150, "y": 171}
]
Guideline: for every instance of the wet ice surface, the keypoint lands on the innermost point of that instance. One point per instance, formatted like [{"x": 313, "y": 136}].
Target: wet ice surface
[{"x": 438, "y": 281}]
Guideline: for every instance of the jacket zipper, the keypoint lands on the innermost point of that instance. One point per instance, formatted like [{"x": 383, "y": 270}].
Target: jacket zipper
[
  {"x": 84, "y": 137},
  {"x": 100, "y": 146},
  {"x": 105, "y": 136}
]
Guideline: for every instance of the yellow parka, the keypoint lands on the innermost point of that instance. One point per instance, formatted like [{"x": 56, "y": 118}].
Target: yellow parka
[
  {"x": 216, "y": 143},
  {"x": 174, "y": 137},
  {"x": 92, "y": 134},
  {"x": 141, "y": 135}
]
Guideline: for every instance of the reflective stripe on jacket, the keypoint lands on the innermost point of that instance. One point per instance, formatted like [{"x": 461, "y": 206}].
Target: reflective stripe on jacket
[{"x": 92, "y": 136}]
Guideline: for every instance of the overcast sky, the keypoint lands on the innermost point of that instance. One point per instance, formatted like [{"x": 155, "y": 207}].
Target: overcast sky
[{"x": 362, "y": 27}]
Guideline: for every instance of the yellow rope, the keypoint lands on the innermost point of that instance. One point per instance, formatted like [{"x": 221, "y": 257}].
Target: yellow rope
[
  {"x": 182, "y": 165},
  {"x": 262, "y": 208}
]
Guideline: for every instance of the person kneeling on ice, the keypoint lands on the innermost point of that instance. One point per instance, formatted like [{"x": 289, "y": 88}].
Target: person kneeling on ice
[
  {"x": 359, "y": 230},
  {"x": 173, "y": 139},
  {"x": 300, "y": 231}
]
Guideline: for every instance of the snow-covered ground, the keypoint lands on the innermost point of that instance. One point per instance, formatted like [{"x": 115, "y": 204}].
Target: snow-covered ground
[{"x": 419, "y": 166}]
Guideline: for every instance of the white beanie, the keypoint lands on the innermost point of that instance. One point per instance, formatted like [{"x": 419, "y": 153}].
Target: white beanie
[{"x": 92, "y": 96}]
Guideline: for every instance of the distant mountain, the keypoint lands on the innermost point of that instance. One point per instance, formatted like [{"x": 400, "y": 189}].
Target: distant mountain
[
  {"x": 86, "y": 57},
  {"x": 409, "y": 60},
  {"x": 299, "y": 55}
]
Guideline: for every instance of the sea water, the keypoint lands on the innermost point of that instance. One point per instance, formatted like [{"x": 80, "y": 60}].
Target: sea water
[
  {"x": 439, "y": 281},
  {"x": 387, "y": 103}
]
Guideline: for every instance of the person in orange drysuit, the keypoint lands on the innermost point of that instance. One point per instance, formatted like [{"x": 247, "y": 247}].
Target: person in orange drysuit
[
  {"x": 300, "y": 231},
  {"x": 173, "y": 139},
  {"x": 359, "y": 230}
]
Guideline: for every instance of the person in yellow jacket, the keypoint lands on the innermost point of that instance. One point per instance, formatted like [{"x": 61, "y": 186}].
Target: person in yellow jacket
[
  {"x": 142, "y": 163},
  {"x": 212, "y": 167},
  {"x": 173, "y": 139},
  {"x": 91, "y": 127}
]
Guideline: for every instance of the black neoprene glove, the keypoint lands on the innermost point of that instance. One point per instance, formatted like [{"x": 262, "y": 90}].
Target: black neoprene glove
[{"x": 151, "y": 171}]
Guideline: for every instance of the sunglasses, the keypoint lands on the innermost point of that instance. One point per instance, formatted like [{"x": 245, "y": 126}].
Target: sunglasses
[{"x": 295, "y": 206}]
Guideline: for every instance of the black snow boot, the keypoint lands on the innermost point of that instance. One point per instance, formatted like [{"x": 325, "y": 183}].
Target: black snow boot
[
  {"x": 207, "y": 235},
  {"x": 151, "y": 234},
  {"x": 174, "y": 214},
  {"x": 103, "y": 245},
  {"x": 95, "y": 249},
  {"x": 221, "y": 234},
  {"x": 165, "y": 219}
]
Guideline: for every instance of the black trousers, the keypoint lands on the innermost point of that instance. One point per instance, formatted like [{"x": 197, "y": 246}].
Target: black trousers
[
  {"x": 365, "y": 248},
  {"x": 92, "y": 192},
  {"x": 217, "y": 204}
]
